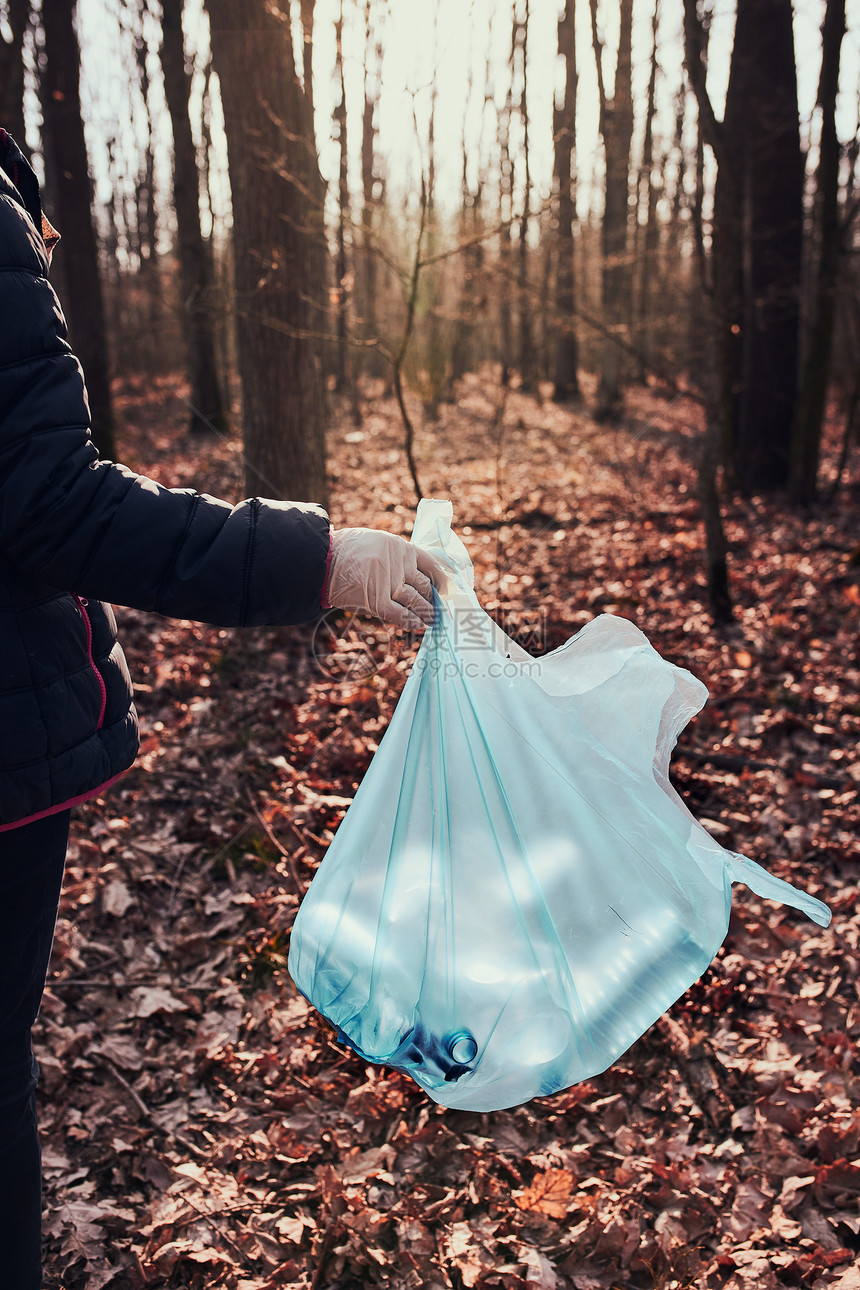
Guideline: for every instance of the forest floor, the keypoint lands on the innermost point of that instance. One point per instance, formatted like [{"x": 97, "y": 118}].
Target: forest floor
[{"x": 202, "y": 1127}]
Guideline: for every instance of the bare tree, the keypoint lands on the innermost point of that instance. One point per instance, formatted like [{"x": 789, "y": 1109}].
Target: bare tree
[
  {"x": 646, "y": 215},
  {"x": 462, "y": 347},
  {"x": 208, "y": 410},
  {"x": 12, "y": 70},
  {"x": 566, "y": 356},
  {"x": 829, "y": 238},
  {"x": 506, "y": 218},
  {"x": 682, "y": 98},
  {"x": 145, "y": 222},
  {"x": 142, "y": 224},
  {"x": 71, "y": 184},
  {"x": 717, "y": 308},
  {"x": 757, "y": 236},
  {"x": 616, "y": 129},
  {"x": 526, "y": 347},
  {"x": 279, "y": 248},
  {"x": 339, "y": 120},
  {"x": 372, "y": 191},
  {"x": 307, "y": 8},
  {"x": 344, "y": 269}
]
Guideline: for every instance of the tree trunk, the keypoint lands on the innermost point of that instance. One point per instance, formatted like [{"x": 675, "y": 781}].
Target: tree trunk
[
  {"x": 149, "y": 329},
  {"x": 724, "y": 282},
  {"x": 647, "y": 232},
  {"x": 208, "y": 411},
  {"x": 763, "y": 132},
  {"x": 470, "y": 219},
  {"x": 433, "y": 381},
  {"x": 145, "y": 188},
  {"x": 67, "y": 158},
  {"x": 757, "y": 236},
  {"x": 566, "y": 355},
  {"x": 206, "y": 208},
  {"x": 526, "y": 346},
  {"x": 679, "y": 195},
  {"x": 431, "y": 130},
  {"x": 506, "y": 201},
  {"x": 717, "y": 386},
  {"x": 616, "y": 128},
  {"x": 278, "y": 247},
  {"x": 307, "y": 11},
  {"x": 12, "y": 72},
  {"x": 809, "y": 418},
  {"x": 371, "y": 186},
  {"x": 339, "y": 122}
]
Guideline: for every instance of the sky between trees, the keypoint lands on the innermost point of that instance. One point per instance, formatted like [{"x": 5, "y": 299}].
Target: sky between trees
[{"x": 446, "y": 47}]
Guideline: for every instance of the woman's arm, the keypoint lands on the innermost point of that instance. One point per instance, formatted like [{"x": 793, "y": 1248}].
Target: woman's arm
[{"x": 100, "y": 530}]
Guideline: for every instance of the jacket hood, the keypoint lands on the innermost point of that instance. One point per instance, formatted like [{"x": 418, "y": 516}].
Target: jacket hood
[{"x": 23, "y": 179}]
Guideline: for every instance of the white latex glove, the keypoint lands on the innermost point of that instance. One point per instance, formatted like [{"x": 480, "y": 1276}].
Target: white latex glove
[{"x": 384, "y": 575}]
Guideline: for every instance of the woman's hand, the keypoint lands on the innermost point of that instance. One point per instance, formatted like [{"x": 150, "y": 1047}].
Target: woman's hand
[{"x": 384, "y": 575}]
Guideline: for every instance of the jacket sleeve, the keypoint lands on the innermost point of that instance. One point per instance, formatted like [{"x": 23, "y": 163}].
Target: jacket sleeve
[{"x": 98, "y": 529}]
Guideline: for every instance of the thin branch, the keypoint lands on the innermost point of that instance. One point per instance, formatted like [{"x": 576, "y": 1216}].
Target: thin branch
[
  {"x": 648, "y": 361},
  {"x": 146, "y": 1112},
  {"x": 400, "y": 356},
  {"x": 695, "y": 44},
  {"x": 279, "y": 847},
  {"x": 501, "y": 227},
  {"x": 597, "y": 45}
]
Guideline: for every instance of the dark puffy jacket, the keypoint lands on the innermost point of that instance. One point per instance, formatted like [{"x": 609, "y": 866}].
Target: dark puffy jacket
[{"x": 76, "y": 531}]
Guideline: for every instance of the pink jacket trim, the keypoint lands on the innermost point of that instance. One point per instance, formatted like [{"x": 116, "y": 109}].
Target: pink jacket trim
[
  {"x": 61, "y": 806},
  {"x": 83, "y": 604},
  {"x": 324, "y": 600}
]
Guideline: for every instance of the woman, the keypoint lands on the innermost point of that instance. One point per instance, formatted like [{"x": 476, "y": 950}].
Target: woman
[{"x": 75, "y": 532}]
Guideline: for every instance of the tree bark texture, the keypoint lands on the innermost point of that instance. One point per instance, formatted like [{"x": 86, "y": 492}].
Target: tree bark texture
[
  {"x": 307, "y": 8},
  {"x": 717, "y": 321},
  {"x": 616, "y": 128},
  {"x": 809, "y": 418},
  {"x": 506, "y": 203},
  {"x": 146, "y": 222},
  {"x": 566, "y": 355},
  {"x": 372, "y": 186},
  {"x": 12, "y": 72},
  {"x": 339, "y": 120},
  {"x": 647, "y": 238},
  {"x": 208, "y": 411},
  {"x": 463, "y": 348},
  {"x": 757, "y": 237},
  {"x": 279, "y": 248},
  {"x": 679, "y": 197},
  {"x": 526, "y": 344},
  {"x": 67, "y": 158},
  {"x": 763, "y": 129}
]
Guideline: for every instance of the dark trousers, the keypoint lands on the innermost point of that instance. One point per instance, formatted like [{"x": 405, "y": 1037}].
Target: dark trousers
[{"x": 31, "y": 874}]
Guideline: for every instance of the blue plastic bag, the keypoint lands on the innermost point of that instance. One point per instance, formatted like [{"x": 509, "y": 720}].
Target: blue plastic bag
[{"x": 517, "y": 892}]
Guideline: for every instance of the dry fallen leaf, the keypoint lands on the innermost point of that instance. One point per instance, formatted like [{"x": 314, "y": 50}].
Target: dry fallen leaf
[
  {"x": 549, "y": 1194},
  {"x": 116, "y": 898},
  {"x": 540, "y": 1273},
  {"x": 147, "y": 1000}
]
